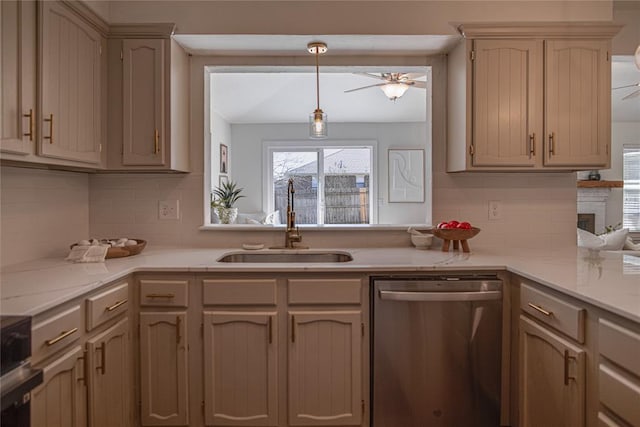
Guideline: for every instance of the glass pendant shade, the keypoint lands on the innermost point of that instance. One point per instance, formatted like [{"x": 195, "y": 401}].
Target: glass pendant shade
[
  {"x": 394, "y": 90},
  {"x": 318, "y": 127}
]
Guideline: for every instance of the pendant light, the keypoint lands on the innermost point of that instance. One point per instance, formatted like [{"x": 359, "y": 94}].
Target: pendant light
[{"x": 317, "y": 119}]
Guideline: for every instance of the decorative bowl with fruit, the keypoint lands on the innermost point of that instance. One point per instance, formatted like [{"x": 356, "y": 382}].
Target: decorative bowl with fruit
[{"x": 458, "y": 232}]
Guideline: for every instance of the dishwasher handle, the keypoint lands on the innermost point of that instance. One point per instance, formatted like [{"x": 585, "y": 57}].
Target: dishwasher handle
[{"x": 440, "y": 296}]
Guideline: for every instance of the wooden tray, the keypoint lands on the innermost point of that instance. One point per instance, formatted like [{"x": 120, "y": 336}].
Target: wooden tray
[
  {"x": 125, "y": 251},
  {"x": 458, "y": 235}
]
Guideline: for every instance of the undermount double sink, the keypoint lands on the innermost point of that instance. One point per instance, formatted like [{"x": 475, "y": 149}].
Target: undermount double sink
[{"x": 286, "y": 256}]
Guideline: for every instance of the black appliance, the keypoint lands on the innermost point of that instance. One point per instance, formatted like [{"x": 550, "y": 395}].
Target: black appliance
[{"x": 17, "y": 378}]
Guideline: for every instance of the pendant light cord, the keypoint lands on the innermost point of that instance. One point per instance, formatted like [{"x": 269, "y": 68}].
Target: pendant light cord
[{"x": 317, "y": 77}]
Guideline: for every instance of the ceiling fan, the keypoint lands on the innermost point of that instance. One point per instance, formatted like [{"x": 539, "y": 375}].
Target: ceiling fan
[
  {"x": 633, "y": 94},
  {"x": 395, "y": 84}
]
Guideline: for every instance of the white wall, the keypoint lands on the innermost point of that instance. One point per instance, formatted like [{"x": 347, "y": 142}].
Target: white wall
[
  {"x": 220, "y": 134},
  {"x": 41, "y": 213},
  {"x": 248, "y": 167},
  {"x": 621, "y": 133}
]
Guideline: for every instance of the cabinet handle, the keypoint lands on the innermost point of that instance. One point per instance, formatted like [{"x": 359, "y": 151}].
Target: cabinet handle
[
  {"x": 532, "y": 144},
  {"x": 156, "y": 146},
  {"x": 83, "y": 369},
  {"x": 552, "y": 149},
  {"x": 541, "y": 310},
  {"x": 160, "y": 296},
  {"x": 270, "y": 330},
  {"x": 567, "y": 358},
  {"x": 293, "y": 328},
  {"x": 62, "y": 336},
  {"x": 30, "y": 115},
  {"x": 50, "y": 120},
  {"x": 103, "y": 358},
  {"x": 116, "y": 305},
  {"x": 178, "y": 329}
]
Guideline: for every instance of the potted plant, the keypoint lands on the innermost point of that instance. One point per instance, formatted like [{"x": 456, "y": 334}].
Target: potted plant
[{"x": 224, "y": 196}]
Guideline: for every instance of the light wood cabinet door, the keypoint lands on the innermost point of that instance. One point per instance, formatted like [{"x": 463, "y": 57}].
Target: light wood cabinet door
[
  {"x": 164, "y": 383},
  {"x": 507, "y": 102},
  {"x": 109, "y": 377},
  {"x": 70, "y": 73},
  {"x": 578, "y": 103},
  {"x": 143, "y": 81},
  {"x": 552, "y": 376},
  {"x": 60, "y": 401},
  {"x": 18, "y": 76},
  {"x": 325, "y": 378},
  {"x": 240, "y": 368}
]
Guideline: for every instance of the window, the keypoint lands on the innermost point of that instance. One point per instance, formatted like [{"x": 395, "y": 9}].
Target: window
[
  {"x": 631, "y": 189},
  {"x": 332, "y": 184}
]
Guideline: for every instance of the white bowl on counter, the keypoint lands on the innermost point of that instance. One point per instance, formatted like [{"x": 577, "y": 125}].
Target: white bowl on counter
[{"x": 421, "y": 241}]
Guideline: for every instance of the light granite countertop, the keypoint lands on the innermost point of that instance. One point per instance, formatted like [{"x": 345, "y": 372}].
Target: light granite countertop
[{"x": 610, "y": 280}]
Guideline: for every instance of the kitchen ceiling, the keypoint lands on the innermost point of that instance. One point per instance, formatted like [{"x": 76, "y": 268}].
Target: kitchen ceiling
[{"x": 624, "y": 72}]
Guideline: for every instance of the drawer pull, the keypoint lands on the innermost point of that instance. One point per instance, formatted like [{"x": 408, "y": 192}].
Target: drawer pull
[
  {"x": 567, "y": 358},
  {"x": 532, "y": 144},
  {"x": 116, "y": 305},
  {"x": 30, "y": 116},
  {"x": 50, "y": 137},
  {"x": 156, "y": 140},
  {"x": 541, "y": 310},
  {"x": 293, "y": 328},
  {"x": 62, "y": 336},
  {"x": 160, "y": 296},
  {"x": 270, "y": 330}
]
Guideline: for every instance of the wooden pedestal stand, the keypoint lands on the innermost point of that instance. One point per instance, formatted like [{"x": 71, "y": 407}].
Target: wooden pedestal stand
[{"x": 458, "y": 236}]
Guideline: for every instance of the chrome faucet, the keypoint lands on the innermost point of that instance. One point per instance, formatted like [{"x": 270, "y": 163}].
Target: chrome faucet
[{"x": 292, "y": 234}]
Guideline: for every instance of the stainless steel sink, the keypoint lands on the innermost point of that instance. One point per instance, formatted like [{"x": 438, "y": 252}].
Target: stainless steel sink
[{"x": 286, "y": 256}]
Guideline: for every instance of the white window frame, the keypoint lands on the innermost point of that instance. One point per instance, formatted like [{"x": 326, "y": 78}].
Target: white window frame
[
  {"x": 271, "y": 146},
  {"x": 636, "y": 147}
]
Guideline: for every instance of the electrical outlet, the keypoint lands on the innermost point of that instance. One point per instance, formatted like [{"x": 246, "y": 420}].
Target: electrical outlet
[
  {"x": 168, "y": 209},
  {"x": 495, "y": 210}
]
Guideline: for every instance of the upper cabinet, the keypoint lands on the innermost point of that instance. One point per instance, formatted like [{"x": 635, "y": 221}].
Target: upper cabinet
[
  {"x": 58, "y": 47},
  {"x": 530, "y": 98},
  {"x": 18, "y": 77},
  {"x": 148, "y": 112}
]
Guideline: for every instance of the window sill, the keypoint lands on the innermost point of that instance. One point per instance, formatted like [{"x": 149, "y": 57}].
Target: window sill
[{"x": 305, "y": 227}]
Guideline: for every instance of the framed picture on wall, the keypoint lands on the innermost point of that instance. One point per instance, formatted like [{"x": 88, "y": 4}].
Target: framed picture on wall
[
  {"x": 406, "y": 176},
  {"x": 223, "y": 179},
  {"x": 224, "y": 158}
]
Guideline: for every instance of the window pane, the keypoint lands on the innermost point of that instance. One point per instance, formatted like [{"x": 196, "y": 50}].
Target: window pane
[
  {"x": 346, "y": 185},
  {"x": 631, "y": 189},
  {"x": 302, "y": 166}
]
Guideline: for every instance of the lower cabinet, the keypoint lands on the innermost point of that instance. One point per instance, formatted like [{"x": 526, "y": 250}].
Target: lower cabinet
[
  {"x": 164, "y": 382},
  {"x": 61, "y": 398},
  {"x": 325, "y": 384},
  {"x": 240, "y": 368},
  {"x": 552, "y": 375},
  {"x": 109, "y": 377}
]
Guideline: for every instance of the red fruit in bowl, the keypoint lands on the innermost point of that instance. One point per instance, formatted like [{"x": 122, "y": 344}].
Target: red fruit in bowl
[
  {"x": 443, "y": 224},
  {"x": 453, "y": 223},
  {"x": 464, "y": 226}
]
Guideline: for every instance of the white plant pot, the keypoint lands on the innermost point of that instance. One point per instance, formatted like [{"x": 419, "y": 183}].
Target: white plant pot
[{"x": 227, "y": 215}]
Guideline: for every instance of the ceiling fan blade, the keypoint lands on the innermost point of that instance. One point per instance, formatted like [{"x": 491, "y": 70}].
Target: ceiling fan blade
[
  {"x": 624, "y": 87},
  {"x": 414, "y": 83},
  {"x": 634, "y": 94},
  {"x": 374, "y": 76},
  {"x": 413, "y": 76},
  {"x": 364, "y": 87}
]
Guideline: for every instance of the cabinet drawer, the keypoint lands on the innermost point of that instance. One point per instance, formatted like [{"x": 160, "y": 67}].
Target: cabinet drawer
[
  {"x": 107, "y": 305},
  {"x": 565, "y": 317},
  {"x": 169, "y": 293},
  {"x": 619, "y": 345},
  {"x": 239, "y": 292},
  {"x": 56, "y": 332},
  {"x": 619, "y": 392},
  {"x": 324, "y": 291}
]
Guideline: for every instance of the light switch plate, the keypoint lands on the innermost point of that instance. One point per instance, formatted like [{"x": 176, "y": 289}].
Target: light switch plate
[{"x": 495, "y": 210}]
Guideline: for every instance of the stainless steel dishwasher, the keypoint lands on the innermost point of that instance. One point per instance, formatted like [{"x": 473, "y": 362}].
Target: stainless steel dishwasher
[{"x": 437, "y": 346}]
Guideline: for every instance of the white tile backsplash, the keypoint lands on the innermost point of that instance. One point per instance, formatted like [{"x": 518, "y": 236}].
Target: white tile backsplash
[{"x": 41, "y": 213}]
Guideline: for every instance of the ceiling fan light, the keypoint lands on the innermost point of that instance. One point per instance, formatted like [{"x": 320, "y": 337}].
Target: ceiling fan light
[
  {"x": 318, "y": 127},
  {"x": 394, "y": 90}
]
